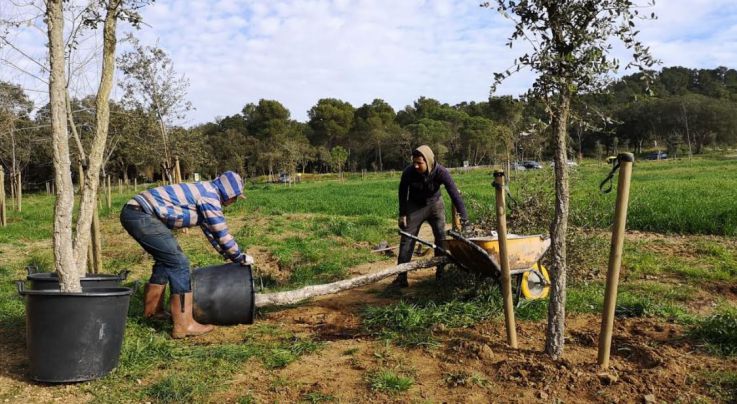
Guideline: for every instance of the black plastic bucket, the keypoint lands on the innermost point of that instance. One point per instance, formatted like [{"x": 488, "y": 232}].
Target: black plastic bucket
[
  {"x": 50, "y": 280},
  {"x": 223, "y": 294},
  {"x": 72, "y": 337}
]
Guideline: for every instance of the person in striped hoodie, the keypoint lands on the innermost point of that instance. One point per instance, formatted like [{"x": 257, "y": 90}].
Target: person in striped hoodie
[{"x": 149, "y": 218}]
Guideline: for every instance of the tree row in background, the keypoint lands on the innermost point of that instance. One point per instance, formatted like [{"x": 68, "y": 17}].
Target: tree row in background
[{"x": 686, "y": 111}]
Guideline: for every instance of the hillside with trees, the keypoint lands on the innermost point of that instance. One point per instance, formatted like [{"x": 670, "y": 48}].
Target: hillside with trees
[{"x": 684, "y": 111}]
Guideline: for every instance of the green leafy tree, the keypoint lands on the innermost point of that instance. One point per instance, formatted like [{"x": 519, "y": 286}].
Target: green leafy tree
[
  {"x": 374, "y": 128},
  {"x": 151, "y": 84},
  {"x": 330, "y": 120},
  {"x": 338, "y": 157},
  {"x": 570, "y": 42}
]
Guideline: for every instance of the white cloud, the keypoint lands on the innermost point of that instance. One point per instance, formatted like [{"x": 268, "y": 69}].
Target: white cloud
[{"x": 239, "y": 51}]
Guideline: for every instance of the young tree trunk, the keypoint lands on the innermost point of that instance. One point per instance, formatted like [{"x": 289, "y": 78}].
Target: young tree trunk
[
  {"x": 294, "y": 296},
  {"x": 556, "y": 307},
  {"x": 63, "y": 243},
  {"x": 102, "y": 105}
]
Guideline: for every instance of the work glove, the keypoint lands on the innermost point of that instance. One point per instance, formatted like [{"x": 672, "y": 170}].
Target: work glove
[
  {"x": 245, "y": 259},
  {"x": 402, "y": 222}
]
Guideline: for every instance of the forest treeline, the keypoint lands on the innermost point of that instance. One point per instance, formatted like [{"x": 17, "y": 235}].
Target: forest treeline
[{"x": 683, "y": 111}]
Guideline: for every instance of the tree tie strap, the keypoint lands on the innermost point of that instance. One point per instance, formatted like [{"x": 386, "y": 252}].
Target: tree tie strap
[
  {"x": 610, "y": 177},
  {"x": 511, "y": 202}
]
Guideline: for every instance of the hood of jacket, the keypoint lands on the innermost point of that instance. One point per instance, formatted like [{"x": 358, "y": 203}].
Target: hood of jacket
[
  {"x": 229, "y": 185},
  {"x": 429, "y": 156}
]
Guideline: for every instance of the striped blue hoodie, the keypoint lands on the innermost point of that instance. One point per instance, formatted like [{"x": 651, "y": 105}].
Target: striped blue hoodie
[{"x": 197, "y": 204}]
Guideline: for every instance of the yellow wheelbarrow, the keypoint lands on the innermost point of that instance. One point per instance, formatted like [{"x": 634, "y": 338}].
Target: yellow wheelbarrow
[{"x": 481, "y": 255}]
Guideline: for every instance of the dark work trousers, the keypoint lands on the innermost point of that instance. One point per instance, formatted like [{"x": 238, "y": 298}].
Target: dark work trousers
[
  {"x": 170, "y": 263},
  {"x": 434, "y": 214}
]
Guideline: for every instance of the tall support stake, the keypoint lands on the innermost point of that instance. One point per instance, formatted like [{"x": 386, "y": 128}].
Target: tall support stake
[
  {"x": 501, "y": 219},
  {"x": 135, "y": 184},
  {"x": 109, "y": 194},
  {"x": 80, "y": 168},
  {"x": 177, "y": 171},
  {"x": 3, "y": 219},
  {"x": 96, "y": 244},
  {"x": 19, "y": 192},
  {"x": 624, "y": 162}
]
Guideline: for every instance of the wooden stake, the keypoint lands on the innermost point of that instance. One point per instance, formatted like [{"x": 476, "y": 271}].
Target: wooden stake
[
  {"x": 615, "y": 257},
  {"x": 501, "y": 219},
  {"x": 3, "y": 219},
  {"x": 177, "y": 171},
  {"x": 135, "y": 184},
  {"x": 120, "y": 186},
  {"x": 81, "y": 177},
  {"x": 19, "y": 193},
  {"x": 96, "y": 243},
  {"x": 109, "y": 194}
]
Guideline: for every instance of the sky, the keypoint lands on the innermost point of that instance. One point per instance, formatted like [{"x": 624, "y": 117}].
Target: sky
[{"x": 235, "y": 52}]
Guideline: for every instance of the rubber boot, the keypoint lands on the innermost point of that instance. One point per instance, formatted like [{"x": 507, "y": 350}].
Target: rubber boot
[
  {"x": 400, "y": 281},
  {"x": 153, "y": 302},
  {"x": 440, "y": 272},
  {"x": 181, "y": 314}
]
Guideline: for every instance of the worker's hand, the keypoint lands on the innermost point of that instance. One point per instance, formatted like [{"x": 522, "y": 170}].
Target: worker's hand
[
  {"x": 402, "y": 222},
  {"x": 246, "y": 260}
]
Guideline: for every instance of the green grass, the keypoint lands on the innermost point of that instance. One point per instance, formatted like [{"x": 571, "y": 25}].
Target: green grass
[
  {"x": 463, "y": 300},
  {"x": 315, "y": 231},
  {"x": 188, "y": 370},
  {"x": 718, "y": 331},
  {"x": 388, "y": 381}
]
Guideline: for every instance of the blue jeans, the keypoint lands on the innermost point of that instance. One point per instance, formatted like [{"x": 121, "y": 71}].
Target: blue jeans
[{"x": 170, "y": 263}]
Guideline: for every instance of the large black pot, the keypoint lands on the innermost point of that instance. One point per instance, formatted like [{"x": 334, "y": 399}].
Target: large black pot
[
  {"x": 74, "y": 337},
  {"x": 223, "y": 294},
  {"x": 50, "y": 280}
]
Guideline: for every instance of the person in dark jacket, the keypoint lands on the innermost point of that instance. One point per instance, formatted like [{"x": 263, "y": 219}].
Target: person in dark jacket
[
  {"x": 420, "y": 201},
  {"x": 149, "y": 218}
]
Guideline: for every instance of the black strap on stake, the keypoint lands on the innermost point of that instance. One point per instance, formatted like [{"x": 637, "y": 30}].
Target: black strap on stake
[
  {"x": 609, "y": 178},
  {"x": 615, "y": 166},
  {"x": 511, "y": 202}
]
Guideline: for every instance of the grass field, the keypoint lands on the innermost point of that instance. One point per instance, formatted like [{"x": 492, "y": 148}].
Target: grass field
[{"x": 314, "y": 232}]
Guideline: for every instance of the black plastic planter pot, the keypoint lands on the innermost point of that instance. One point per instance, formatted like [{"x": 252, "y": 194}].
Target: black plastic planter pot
[
  {"x": 50, "y": 280},
  {"x": 223, "y": 294},
  {"x": 73, "y": 337}
]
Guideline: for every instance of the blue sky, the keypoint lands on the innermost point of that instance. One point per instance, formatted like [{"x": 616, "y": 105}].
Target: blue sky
[{"x": 238, "y": 51}]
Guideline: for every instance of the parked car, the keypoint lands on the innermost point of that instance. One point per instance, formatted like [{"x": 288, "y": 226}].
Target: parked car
[
  {"x": 518, "y": 167},
  {"x": 284, "y": 178},
  {"x": 569, "y": 163},
  {"x": 532, "y": 165},
  {"x": 658, "y": 155}
]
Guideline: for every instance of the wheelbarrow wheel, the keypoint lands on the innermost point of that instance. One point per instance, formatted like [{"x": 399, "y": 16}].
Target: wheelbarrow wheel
[{"x": 536, "y": 283}]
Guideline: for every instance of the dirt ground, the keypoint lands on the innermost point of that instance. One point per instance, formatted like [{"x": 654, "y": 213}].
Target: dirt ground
[{"x": 651, "y": 360}]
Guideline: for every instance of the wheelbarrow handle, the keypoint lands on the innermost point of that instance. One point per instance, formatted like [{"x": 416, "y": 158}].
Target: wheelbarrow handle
[
  {"x": 434, "y": 247},
  {"x": 427, "y": 243}
]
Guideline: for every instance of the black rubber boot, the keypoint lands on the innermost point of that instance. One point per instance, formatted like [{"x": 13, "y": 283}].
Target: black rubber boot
[{"x": 400, "y": 281}]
